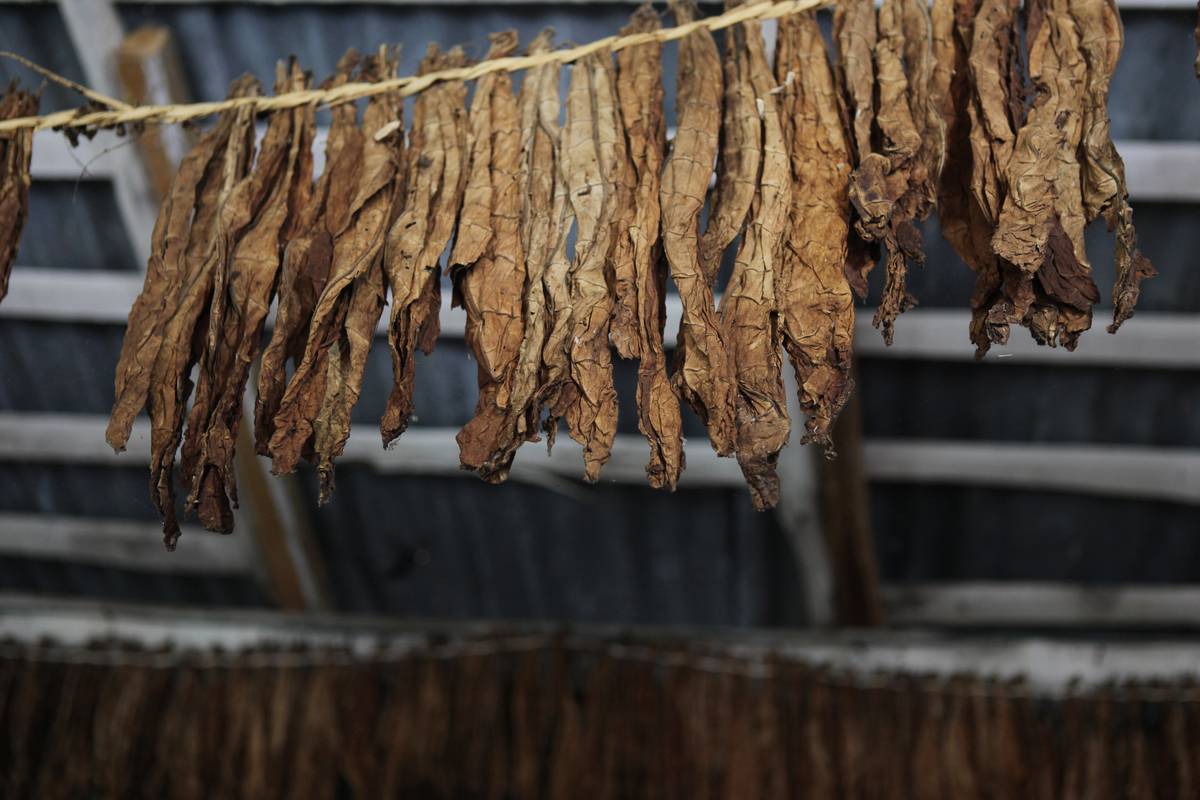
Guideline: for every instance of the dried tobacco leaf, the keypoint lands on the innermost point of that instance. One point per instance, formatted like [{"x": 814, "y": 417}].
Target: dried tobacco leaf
[
  {"x": 489, "y": 260},
  {"x": 592, "y": 151},
  {"x": 894, "y": 185},
  {"x": 640, "y": 96},
  {"x": 314, "y": 417},
  {"x": 749, "y": 317},
  {"x": 1104, "y": 189},
  {"x": 1042, "y": 219},
  {"x": 256, "y": 221},
  {"x": 740, "y": 155},
  {"x": 538, "y": 112},
  {"x": 436, "y": 178},
  {"x": 16, "y": 149},
  {"x": 816, "y": 307},
  {"x": 704, "y": 376},
  {"x": 306, "y": 261},
  {"x": 854, "y": 32},
  {"x": 162, "y": 340}
]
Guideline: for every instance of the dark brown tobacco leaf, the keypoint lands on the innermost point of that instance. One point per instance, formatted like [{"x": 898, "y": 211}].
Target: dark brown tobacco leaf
[
  {"x": 640, "y": 95},
  {"x": 1044, "y": 179},
  {"x": 592, "y": 153},
  {"x": 437, "y": 173},
  {"x": 256, "y": 221},
  {"x": 16, "y": 149},
  {"x": 306, "y": 262},
  {"x": 739, "y": 158},
  {"x": 314, "y": 416},
  {"x": 748, "y": 308},
  {"x": 816, "y": 307},
  {"x": 1104, "y": 189},
  {"x": 164, "y": 336},
  {"x": 489, "y": 260},
  {"x": 704, "y": 376}
]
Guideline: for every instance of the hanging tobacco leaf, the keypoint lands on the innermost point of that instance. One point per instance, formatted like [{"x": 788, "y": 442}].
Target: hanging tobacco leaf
[
  {"x": 854, "y": 32},
  {"x": 640, "y": 96},
  {"x": 1105, "y": 192},
  {"x": 16, "y": 149},
  {"x": 314, "y": 417},
  {"x": 436, "y": 178},
  {"x": 307, "y": 259},
  {"x": 704, "y": 376},
  {"x": 996, "y": 113},
  {"x": 1042, "y": 219},
  {"x": 739, "y": 158},
  {"x": 259, "y": 217},
  {"x": 749, "y": 316},
  {"x": 163, "y": 338},
  {"x": 592, "y": 153},
  {"x": 816, "y": 307},
  {"x": 488, "y": 257},
  {"x": 894, "y": 186}
]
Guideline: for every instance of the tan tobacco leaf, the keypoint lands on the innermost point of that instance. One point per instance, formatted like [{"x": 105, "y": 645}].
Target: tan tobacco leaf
[
  {"x": 256, "y": 222},
  {"x": 749, "y": 306},
  {"x": 488, "y": 257},
  {"x": 640, "y": 96},
  {"x": 436, "y": 179},
  {"x": 816, "y": 307},
  {"x": 314, "y": 416},
  {"x": 163, "y": 337},
  {"x": 306, "y": 261},
  {"x": 592, "y": 150},
  {"x": 16, "y": 149},
  {"x": 1104, "y": 189},
  {"x": 704, "y": 377},
  {"x": 739, "y": 159}
]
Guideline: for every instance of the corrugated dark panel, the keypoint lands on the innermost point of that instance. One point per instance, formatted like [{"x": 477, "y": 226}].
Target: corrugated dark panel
[
  {"x": 36, "y": 31},
  {"x": 1005, "y": 402},
  {"x": 77, "y": 490},
  {"x": 1155, "y": 92},
  {"x": 965, "y": 533},
  {"x": 75, "y": 225},
  {"x": 451, "y": 547},
  {"x": 57, "y": 367},
  {"x": 59, "y": 578}
]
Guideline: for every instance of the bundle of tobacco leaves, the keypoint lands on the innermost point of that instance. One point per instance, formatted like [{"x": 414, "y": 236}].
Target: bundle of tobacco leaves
[
  {"x": 704, "y": 373},
  {"x": 1039, "y": 173},
  {"x": 16, "y": 149},
  {"x": 899, "y": 139},
  {"x": 259, "y": 217},
  {"x": 437, "y": 174},
  {"x": 749, "y": 308},
  {"x": 167, "y": 326},
  {"x": 366, "y": 177},
  {"x": 816, "y": 308},
  {"x": 592, "y": 162},
  {"x": 640, "y": 277}
]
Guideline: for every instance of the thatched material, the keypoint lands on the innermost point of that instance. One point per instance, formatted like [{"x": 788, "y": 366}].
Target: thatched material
[{"x": 536, "y": 717}]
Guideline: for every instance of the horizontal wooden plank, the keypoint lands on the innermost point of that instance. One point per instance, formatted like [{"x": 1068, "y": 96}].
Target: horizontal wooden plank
[
  {"x": 1043, "y": 665},
  {"x": 126, "y": 544},
  {"x": 1042, "y": 605},
  {"x": 1149, "y": 340},
  {"x": 1137, "y": 472},
  {"x": 1123, "y": 471}
]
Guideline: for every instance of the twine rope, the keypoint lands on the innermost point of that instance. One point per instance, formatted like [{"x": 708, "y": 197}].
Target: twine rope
[{"x": 122, "y": 114}]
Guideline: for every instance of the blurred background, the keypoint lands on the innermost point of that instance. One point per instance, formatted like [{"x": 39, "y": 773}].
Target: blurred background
[{"x": 1034, "y": 493}]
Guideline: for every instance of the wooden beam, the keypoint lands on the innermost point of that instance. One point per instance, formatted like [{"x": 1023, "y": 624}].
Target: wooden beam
[
  {"x": 95, "y": 31},
  {"x": 1043, "y": 605},
  {"x": 1149, "y": 473},
  {"x": 127, "y": 544},
  {"x": 1148, "y": 341},
  {"x": 846, "y": 521}
]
